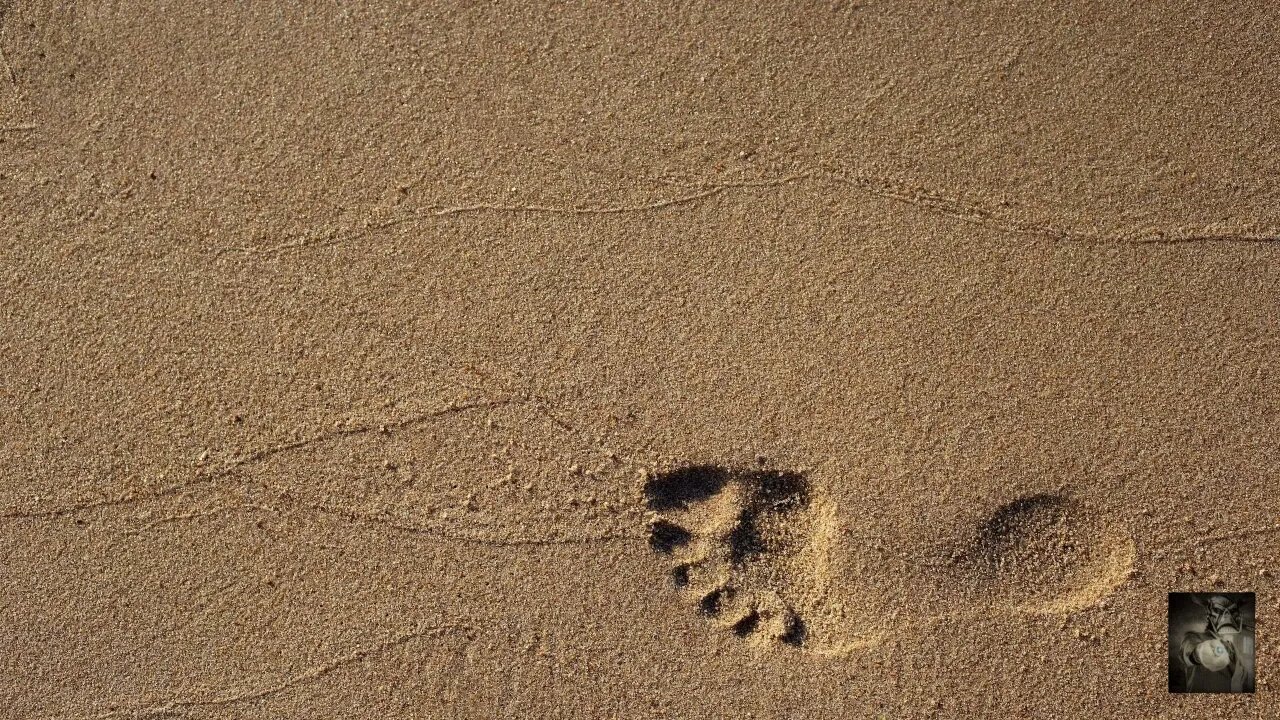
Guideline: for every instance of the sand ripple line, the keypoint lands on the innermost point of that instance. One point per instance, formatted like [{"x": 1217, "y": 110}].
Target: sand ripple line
[
  {"x": 265, "y": 691},
  {"x": 283, "y": 500},
  {"x": 258, "y": 456},
  {"x": 919, "y": 197},
  {"x": 1243, "y": 532},
  {"x": 337, "y": 237},
  {"x": 556, "y": 536}
]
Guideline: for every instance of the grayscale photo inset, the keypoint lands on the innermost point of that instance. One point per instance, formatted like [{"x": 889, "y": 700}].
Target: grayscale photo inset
[{"x": 1211, "y": 643}]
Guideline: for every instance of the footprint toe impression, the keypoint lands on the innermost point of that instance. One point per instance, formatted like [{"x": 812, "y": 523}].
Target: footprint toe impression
[{"x": 741, "y": 542}]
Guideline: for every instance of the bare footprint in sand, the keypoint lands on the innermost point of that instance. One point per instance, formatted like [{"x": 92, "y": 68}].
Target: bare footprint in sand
[{"x": 751, "y": 548}]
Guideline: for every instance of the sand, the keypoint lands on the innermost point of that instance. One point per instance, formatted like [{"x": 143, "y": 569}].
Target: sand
[{"x": 830, "y": 360}]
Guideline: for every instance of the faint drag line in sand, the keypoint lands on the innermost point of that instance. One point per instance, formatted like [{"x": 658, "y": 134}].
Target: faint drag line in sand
[
  {"x": 337, "y": 237},
  {"x": 1245, "y": 235},
  {"x": 940, "y": 203},
  {"x": 441, "y": 533},
  {"x": 1235, "y": 534},
  {"x": 205, "y": 478},
  {"x": 950, "y": 206},
  {"x": 1166, "y": 542},
  {"x": 264, "y": 692},
  {"x": 438, "y": 210},
  {"x": 292, "y": 504},
  {"x": 351, "y": 515},
  {"x": 195, "y": 515},
  {"x": 918, "y": 197}
]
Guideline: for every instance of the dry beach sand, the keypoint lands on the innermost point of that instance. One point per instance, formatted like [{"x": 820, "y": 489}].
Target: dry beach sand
[{"x": 830, "y": 360}]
